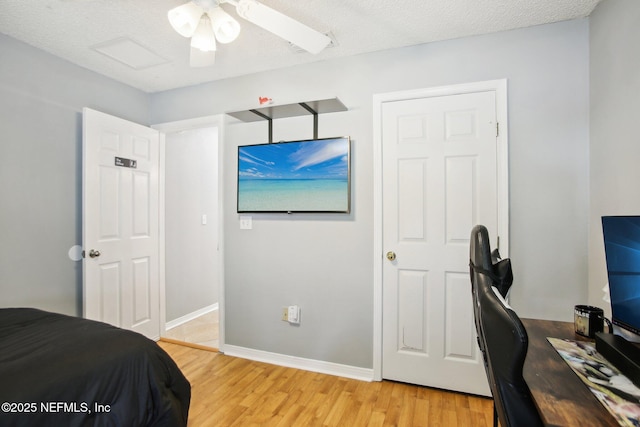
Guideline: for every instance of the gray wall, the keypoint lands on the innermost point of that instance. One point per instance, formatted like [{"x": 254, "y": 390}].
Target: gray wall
[
  {"x": 41, "y": 100},
  {"x": 324, "y": 263},
  {"x": 615, "y": 110},
  {"x": 191, "y": 190}
]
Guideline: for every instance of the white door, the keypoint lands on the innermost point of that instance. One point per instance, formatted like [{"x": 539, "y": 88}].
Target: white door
[
  {"x": 439, "y": 179},
  {"x": 120, "y": 223}
]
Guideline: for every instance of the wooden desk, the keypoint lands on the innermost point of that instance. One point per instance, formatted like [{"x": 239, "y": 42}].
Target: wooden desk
[{"x": 561, "y": 397}]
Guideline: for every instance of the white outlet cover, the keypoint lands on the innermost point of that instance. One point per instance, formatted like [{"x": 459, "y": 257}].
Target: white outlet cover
[
  {"x": 294, "y": 314},
  {"x": 245, "y": 222}
]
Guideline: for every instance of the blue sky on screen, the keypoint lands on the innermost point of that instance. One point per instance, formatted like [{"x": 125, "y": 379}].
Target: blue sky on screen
[{"x": 322, "y": 159}]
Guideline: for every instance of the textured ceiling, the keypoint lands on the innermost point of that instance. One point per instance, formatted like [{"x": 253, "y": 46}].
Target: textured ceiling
[{"x": 74, "y": 29}]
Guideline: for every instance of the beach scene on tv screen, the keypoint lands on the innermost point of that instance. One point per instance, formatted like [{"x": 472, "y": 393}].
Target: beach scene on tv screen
[{"x": 303, "y": 176}]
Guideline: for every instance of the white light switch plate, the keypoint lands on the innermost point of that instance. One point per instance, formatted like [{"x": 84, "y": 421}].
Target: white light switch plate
[{"x": 245, "y": 222}]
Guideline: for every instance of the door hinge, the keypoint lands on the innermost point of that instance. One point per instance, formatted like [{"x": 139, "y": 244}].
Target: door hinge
[{"x": 497, "y": 129}]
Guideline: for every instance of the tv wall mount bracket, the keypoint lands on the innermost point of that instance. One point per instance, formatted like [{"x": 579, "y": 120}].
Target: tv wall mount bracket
[{"x": 271, "y": 112}]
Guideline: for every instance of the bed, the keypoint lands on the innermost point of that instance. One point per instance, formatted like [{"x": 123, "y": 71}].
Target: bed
[{"x": 63, "y": 370}]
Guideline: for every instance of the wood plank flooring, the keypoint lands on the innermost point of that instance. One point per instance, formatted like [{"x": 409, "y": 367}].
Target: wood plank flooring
[{"x": 229, "y": 391}]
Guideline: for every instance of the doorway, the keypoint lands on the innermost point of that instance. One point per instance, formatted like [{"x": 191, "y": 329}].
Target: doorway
[
  {"x": 440, "y": 169},
  {"x": 192, "y": 233}
]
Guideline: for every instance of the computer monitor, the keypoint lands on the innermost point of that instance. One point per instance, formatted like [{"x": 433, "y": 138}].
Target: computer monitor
[{"x": 622, "y": 249}]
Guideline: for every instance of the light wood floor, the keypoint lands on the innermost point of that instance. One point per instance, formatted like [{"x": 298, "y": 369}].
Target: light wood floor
[
  {"x": 229, "y": 391},
  {"x": 202, "y": 330}
]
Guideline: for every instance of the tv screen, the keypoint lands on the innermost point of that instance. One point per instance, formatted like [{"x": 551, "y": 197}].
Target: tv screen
[
  {"x": 622, "y": 250},
  {"x": 296, "y": 176}
]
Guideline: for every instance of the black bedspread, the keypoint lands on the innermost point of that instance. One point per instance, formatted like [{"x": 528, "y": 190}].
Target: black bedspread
[{"x": 58, "y": 370}]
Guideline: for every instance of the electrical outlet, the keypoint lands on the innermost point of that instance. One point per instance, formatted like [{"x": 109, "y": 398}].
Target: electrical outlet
[
  {"x": 294, "y": 314},
  {"x": 245, "y": 222},
  {"x": 285, "y": 314}
]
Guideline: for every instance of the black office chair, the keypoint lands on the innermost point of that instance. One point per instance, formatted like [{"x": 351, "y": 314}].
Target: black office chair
[
  {"x": 502, "y": 339},
  {"x": 480, "y": 260}
]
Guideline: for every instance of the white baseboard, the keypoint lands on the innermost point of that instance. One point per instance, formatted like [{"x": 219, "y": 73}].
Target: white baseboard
[
  {"x": 329, "y": 368},
  {"x": 187, "y": 317}
]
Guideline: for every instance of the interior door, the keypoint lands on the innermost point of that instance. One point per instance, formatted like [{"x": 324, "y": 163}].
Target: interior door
[
  {"x": 439, "y": 180},
  {"x": 121, "y": 223}
]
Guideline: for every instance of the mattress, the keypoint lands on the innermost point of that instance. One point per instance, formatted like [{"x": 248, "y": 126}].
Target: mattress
[{"x": 63, "y": 370}]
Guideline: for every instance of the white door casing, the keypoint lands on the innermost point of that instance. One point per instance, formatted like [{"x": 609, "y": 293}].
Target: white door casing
[
  {"x": 440, "y": 174},
  {"x": 121, "y": 285}
]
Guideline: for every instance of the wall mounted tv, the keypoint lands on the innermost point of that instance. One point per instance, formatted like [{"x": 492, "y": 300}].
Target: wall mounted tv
[{"x": 310, "y": 176}]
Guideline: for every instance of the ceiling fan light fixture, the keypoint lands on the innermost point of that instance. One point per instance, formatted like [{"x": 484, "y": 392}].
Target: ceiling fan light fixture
[
  {"x": 184, "y": 19},
  {"x": 203, "y": 38},
  {"x": 225, "y": 27},
  {"x": 206, "y": 22}
]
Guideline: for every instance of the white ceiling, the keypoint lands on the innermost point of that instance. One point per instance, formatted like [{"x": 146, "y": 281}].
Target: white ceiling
[{"x": 75, "y": 29}]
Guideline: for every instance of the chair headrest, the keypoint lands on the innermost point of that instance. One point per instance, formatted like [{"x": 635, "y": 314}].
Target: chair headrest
[{"x": 483, "y": 261}]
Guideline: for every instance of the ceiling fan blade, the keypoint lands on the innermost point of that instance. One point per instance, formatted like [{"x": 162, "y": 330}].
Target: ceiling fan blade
[
  {"x": 199, "y": 58},
  {"x": 283, "y": 26}
]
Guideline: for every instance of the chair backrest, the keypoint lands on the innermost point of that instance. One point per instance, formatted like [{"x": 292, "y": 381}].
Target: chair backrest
[
  {"x": 482, "y": 258},
  {"x": 502, "y": 338},
  {"x": 479, "y": 258}
]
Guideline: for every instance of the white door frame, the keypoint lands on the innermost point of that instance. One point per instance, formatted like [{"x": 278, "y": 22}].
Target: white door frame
[
  {"x": 500, "y": 87},
  {"x": 178, "y": 126}
]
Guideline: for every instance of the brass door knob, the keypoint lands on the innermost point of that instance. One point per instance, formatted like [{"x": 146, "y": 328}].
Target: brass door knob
[{"x": 391, "y": 255}]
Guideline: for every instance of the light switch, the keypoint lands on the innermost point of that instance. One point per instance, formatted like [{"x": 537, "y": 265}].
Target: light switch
[
  {"x": 245, "y": 222},
  {"x": 204, "y": 219}
]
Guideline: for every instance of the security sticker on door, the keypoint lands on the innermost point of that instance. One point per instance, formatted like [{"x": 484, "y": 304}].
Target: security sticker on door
[{"x": 126, "y": 163}]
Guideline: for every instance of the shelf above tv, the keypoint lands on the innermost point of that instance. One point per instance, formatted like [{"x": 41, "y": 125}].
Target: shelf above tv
[{"x": 270, "y": 112}]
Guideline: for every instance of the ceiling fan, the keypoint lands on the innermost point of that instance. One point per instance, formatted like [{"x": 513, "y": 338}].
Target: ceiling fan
[{"x": 204, "y": 21}]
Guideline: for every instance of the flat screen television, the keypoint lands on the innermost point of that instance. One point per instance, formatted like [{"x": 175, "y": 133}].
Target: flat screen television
[
  {"x": 308, "y": 176},
  {"x": 622, "y": 251}
]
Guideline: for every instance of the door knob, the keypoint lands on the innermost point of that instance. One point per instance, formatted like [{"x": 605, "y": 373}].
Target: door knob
[
  {"x": 93, "y": 253},
  {"x": 391, "y": 255}
]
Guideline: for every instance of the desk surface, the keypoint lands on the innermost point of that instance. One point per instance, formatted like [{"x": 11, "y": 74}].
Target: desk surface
[{"x": 561, "y": 397}]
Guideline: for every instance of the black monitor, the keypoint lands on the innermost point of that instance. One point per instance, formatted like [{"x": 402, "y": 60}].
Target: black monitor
[{"x": 622, "y": 250}]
